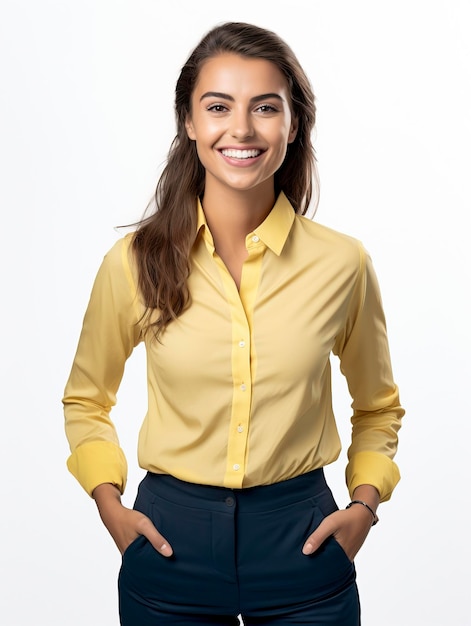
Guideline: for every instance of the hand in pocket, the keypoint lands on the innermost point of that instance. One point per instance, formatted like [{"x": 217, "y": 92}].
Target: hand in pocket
[{"x": 125, "y": 525}]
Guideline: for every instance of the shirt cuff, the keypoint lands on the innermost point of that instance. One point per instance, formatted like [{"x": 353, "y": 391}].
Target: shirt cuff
[
  {"x": 372, "y": 468},
  {"x": 98, "y": 462}
]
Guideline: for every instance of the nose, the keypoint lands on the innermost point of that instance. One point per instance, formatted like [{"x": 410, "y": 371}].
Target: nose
[{"x": 241, "y": 125}]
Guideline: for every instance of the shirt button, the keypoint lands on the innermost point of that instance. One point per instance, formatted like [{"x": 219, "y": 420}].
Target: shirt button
[
  {"x": 242, "y": 344},
  {"x": 236, "y": 467},
  {"x": 243, "y": 387},
  {"x": 255, "y": 239},
  {"x": 240, "y": 429}
]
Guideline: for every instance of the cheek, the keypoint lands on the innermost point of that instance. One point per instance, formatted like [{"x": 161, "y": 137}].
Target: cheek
[
  {"x": 206, "y": 154},
  {"x": 206, "y": 131},
  {"x": 201, "y": 154},
  {"x": 280, "y": 136},
  {"x": 281, "y": 140},
  {"x": 205, "y": 137}
]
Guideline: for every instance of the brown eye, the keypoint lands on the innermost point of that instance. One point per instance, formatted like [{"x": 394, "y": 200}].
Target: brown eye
[
  {"x": 267, "y": 108},
  {"x": 217, "y": 108}
]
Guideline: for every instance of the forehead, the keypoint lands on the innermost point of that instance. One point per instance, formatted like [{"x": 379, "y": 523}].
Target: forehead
[{"x": 238, "y": 75}]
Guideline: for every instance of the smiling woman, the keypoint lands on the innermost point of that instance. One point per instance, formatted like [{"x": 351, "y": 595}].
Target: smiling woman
[
  {"x": 240, "y": 301},
  {"x": 241, "y": 119},
  {"x": 242, "y": 122}
]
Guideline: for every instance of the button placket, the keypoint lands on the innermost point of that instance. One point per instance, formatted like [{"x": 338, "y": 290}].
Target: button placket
[{"x": 242, "y": 305}]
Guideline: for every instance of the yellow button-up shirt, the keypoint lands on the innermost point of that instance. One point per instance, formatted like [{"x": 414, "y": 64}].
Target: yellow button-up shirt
[{"x": 239, "y": 388}]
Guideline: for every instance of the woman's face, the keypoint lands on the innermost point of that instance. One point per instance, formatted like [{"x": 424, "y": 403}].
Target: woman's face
[{"x": 241, "y": 121}]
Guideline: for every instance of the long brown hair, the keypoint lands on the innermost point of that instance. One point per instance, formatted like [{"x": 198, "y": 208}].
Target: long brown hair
[{"x": 162, "y": 242}]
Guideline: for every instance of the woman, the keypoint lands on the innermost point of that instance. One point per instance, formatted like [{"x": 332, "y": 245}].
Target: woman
[{"x": 240, "y": 301}]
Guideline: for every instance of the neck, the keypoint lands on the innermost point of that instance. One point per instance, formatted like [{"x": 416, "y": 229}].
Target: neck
[{"x": 232, "y": 214}]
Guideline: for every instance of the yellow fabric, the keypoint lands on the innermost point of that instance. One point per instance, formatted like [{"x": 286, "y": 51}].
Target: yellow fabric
[{"x": 239, "y": 390}]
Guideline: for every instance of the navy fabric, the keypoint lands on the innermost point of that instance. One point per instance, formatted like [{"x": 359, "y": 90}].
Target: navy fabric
[{"x": 237, "y": 552}]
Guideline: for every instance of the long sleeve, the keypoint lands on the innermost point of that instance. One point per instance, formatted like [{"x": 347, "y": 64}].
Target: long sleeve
[
  {"x": 239, "y": 387},
  {"x": 110, "y": 332},
  {"x": 364, "y": 356}
]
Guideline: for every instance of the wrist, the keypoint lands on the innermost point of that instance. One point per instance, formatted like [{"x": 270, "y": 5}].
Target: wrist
[
  {"x": 367, "y": 508},
  {"x": 368, "y": 494},
  {"x": 106, "y": 494}
]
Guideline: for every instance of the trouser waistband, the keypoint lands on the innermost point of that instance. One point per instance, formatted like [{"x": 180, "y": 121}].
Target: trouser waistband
[{"x": 259, "y": 498}]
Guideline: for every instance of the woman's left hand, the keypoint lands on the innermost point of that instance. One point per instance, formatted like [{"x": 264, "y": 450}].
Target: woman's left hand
[{"x": 349, "y": 527}]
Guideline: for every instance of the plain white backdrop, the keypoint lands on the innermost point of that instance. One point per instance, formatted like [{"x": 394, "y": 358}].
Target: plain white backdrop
[{"x": 86, "y": 118}]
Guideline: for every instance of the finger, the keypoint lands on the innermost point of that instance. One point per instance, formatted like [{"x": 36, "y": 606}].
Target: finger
[
  {"x": 159, "y": 542},
  {"x": 317, "y": 538}
]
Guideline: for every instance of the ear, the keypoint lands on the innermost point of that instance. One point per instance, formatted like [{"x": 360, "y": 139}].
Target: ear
[
  {"x": 190, "y": 131},
  {"x": 293, "y": 130}
]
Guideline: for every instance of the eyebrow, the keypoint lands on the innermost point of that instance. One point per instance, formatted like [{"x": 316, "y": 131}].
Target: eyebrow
[{"x": 226, "y": 96}]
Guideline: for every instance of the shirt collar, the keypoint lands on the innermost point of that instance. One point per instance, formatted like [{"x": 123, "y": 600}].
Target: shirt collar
[
  {"x": 202, "y": 227},
  {"x": 273, "y": 231},
  {"x": 201, "y": 217}
]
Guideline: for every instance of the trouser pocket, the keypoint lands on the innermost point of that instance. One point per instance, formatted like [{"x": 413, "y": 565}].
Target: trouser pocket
[{"x": 274, "y": 572}]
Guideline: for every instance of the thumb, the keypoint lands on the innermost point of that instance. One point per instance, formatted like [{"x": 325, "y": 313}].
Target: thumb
[
  {"x": 317, "y": 538},
  {"x": 159, "y": 542}
]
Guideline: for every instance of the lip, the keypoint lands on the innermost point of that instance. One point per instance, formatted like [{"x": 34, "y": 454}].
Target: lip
[{"x": 244, "y": 161}]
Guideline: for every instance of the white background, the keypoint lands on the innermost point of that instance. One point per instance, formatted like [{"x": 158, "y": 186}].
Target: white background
[{"x": 86, "y": 118}]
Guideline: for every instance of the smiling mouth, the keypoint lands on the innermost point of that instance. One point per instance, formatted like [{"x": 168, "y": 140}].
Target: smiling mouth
[{"x": 241, "y": 154}]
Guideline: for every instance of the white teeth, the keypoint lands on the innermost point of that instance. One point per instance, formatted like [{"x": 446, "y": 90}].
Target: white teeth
[{"x": 241, "y": 154}]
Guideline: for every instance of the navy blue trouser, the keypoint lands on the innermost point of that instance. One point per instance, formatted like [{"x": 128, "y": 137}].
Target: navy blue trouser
[{"x": 237, "y": 552}]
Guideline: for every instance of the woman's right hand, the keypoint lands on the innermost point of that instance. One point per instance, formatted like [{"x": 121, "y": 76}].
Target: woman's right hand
[{"x": 124, "y": 524}]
